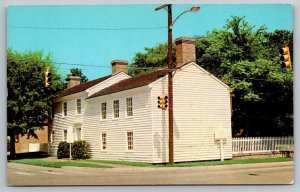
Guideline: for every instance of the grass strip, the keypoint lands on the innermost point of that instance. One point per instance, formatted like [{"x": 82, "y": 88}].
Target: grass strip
[
  {"x": 59, "y": 164},
  {"x": 138, "y": 164},
  {"x": 229, "y": 162},
  {"x": 199, "y": 163}
]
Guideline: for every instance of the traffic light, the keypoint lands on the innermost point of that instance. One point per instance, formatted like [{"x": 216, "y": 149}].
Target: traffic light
[
  {"x": 285, "y": 57},
  {"x": 48, "y": 77},
  {"x": 162, "y": 102}
]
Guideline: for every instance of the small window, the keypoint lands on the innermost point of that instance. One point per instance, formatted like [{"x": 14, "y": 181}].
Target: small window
[
  {"x": 65, "y": 109},
  {"x": 116, "y": 109},
  {"x": 65, "y": 135},
  {"x": 129, "y": 106},
  {"x": 104, "y": 141},
  {"x": 129, "y": 140},
  {"x": 103, "y": 110},
  {"x": 78, "y": 106}
]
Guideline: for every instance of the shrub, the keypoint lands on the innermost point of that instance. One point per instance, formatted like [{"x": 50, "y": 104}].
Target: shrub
[
  {"x": 81, "y": 150},
  {"x": 63, "y": 150}
]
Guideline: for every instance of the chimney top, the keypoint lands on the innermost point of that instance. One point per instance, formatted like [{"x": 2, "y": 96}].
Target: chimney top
[
  {"x": 119, "y": 65},
  {"x": 187, "y": 40},
  {"x": 73, "y": 81},
  {"x": 185, "y": 50}
]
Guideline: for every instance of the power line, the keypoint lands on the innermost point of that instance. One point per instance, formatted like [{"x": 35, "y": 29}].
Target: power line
[
  {"x": 86, "y": 29},
  {"x": 72, "y": 64}
]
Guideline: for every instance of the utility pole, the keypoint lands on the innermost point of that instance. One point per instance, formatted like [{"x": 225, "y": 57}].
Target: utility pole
[
  {"x": 170, "y": 81},
  {"x": 170, "y": 73},
  {"x": 170, "y": 86}
]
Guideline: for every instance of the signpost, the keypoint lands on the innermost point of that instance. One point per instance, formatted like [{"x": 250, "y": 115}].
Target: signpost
[
  {"x": 70, "y": 138},
  {"x": 220, "y": 136}
]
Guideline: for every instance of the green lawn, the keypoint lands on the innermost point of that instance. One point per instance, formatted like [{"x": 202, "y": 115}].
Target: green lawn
[
  {"x": 138, "y": 164},
  {"x": 103, "y": 163},
  {"x": 59, "y": 164},
  {"x": 200, "y": 163},
  {"x": 230, "y": 162}
]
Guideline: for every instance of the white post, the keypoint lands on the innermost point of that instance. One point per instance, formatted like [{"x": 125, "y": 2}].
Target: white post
[
  {"x": 221, "y": 150},
  {"x": 70, "y": 151}
]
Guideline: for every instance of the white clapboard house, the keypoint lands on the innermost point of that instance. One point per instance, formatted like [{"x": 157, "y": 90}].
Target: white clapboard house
[{"x": 118, "y": 115}]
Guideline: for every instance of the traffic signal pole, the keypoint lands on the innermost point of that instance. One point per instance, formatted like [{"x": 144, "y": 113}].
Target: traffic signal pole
[
  {"x": 170, "y": 86},
  {"x": 170, "y": 80}
]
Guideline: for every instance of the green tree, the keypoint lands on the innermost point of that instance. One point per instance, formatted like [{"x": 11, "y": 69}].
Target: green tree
[
  {"x": 152, "y": 59},
  {"x": 78, "y": 72},
  {"x": 27, "y": 101},
  {"x": 247, "y": 59}
]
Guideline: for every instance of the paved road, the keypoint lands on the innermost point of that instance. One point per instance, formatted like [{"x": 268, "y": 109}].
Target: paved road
[{"x": 263, "y": 173}]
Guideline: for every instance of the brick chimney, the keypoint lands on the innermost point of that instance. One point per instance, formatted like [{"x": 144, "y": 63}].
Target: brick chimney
[
  {"x": 73, "y": 81},
  {"x": 119, "y": 65},
  {"x": 185, "y": 50}
]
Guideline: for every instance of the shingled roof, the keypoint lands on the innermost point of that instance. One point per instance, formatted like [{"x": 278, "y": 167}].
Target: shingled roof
[
  {"x": 81, "y": 87},
  {"x": 131, "y": 83}
]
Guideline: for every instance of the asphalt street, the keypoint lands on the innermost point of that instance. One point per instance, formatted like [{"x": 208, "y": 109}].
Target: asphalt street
[{"x": 261, "y": 173}]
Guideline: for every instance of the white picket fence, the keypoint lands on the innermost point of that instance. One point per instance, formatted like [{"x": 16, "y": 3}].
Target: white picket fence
[{"x": 262, "y": 144}]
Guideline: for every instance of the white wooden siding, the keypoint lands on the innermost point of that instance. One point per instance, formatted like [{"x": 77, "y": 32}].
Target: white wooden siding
[
  {"x": 61, "y": 123},
  {"x": 160, "y": 122},
  {"x": 201, "y": 105},
  {"x": 116, "y": 128}
]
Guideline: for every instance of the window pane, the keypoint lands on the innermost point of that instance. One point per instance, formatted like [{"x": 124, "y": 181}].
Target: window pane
[
  {"x": 116, "y": 108},
  {"x": 103, "y": 110},
  {"x": 65, "y": 112},
  {"x": 130, "y": 140},
  {"x": 129, "y": 106},
  {"x": 104, "y": 141},
  {"x": 78, "y": 106},
  {"x": 65, "y": 135}
]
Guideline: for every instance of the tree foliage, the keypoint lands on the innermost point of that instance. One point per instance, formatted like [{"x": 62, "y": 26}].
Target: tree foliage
[
  {"x": 78, "y": 72},
  {"x": 246, "y": 58},
  {"x": 27, "y": 95}
]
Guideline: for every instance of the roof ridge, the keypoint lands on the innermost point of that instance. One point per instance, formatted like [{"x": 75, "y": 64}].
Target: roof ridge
[
  {"x": 130, "y": 83},
  {"x": 82, "y": 86}
]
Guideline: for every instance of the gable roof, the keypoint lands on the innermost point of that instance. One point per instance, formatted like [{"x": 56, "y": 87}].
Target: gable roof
[
  {"x": 131, "y": 83},
  {"x": 81, "y": 87}
]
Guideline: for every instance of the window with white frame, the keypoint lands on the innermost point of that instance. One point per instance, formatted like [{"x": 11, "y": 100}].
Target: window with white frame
[
  {"x": 103, "y": 110},
  {"x": 129, "y": 106},
  {"x": 78, "y": 106},
  {"x": 130, "y": 140},
  {"x": 116, "y": 107},
  {"x": 65, "y": 135},
  {"x": 65, "y": 109},
  {"x": 104, "y": 141}
]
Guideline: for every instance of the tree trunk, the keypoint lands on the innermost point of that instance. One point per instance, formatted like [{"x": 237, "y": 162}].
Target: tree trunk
[{"x": 12, "y": 144}]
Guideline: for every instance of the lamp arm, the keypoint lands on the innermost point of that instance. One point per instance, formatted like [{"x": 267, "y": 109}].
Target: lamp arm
[{"x": 178, "y": 18}]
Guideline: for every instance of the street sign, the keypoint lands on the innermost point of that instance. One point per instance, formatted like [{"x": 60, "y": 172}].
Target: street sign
[
  {"x": 70, "y": 135},
  {"x": 220, "y": 134}
]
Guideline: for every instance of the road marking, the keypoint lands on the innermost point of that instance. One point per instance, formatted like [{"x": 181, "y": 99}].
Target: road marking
[
  {"x": 50, "y": 172},
  {"x": 22, "y": 173}
]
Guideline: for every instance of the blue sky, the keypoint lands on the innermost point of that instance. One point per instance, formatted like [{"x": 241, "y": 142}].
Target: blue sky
[{"x": 101, "y": 33}]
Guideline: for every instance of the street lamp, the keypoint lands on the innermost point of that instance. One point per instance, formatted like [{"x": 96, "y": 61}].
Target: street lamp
[
  {"x": 170, "y": 77},
  {"x": 192, "y": 9}
]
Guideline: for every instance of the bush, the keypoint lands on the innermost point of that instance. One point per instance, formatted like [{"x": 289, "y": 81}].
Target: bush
[
  {"x": 63, "y": 150},
  {"x": 81, "y": 150}
]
